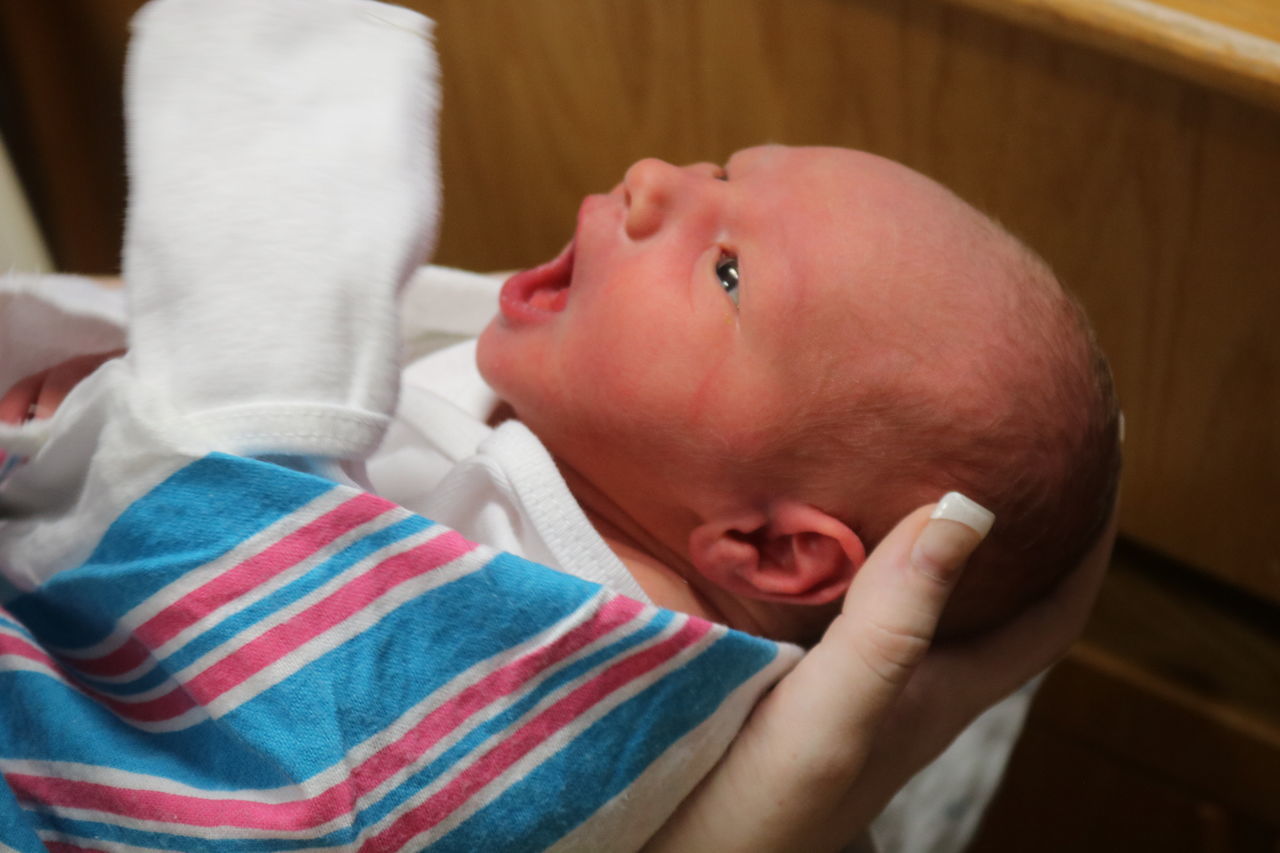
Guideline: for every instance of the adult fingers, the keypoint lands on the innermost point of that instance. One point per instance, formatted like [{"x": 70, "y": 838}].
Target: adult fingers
[
  {"x": 995, "y": 664},
  {"x": 893, "y": 606},
  {"x": 974, "y": 674},
  {"x": 40, "y": 395}
]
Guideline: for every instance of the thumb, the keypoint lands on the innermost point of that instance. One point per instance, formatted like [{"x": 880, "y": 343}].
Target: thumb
[{"x": 893, "y": 606}]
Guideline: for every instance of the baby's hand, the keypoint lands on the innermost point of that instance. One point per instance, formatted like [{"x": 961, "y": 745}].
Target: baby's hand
[{"x": 40, "y": 395}]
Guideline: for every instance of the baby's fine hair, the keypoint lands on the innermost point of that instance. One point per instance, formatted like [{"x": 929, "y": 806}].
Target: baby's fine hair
[
  {"x": 1039, "y": 444},
  {"x": 1048, "y": 466}
]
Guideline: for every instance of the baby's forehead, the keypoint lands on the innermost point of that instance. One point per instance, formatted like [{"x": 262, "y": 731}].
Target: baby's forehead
[{"x": 863, "y": 256}]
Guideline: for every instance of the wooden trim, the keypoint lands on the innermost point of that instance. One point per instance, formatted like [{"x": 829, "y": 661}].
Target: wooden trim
[
  {"x": 1237, "y": 53},
  {"x": 21, "y": 245},
  {"x": 1146, "y": 722}
]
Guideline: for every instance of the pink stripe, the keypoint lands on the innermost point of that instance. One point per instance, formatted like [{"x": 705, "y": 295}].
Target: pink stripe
[
  {"x": 18, "y": 647},
  {"x": 339, "y": 799},
  {"x": 514, "y": 747},
  {"x": 284, "y": 638},
  {"x": 173, "y": 704},
  {"x": 128, "y": 656},
  {"x": 502, "y": 682},
  {"x": 167, "y": 706},
  {"x": 323, "y": 615},
  {"x": 63, "y": 847},
  {"x": 233, "y": 583}
]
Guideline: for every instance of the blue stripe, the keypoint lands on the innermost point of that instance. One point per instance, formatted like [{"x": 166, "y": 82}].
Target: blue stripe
[
  {"x": 47, "y": 720},
  {"x": 16, "y": 824},
  {"x": 277, "y": 600},
  {"x": 570, "y": 786},
  {"x": 468, "y": 748},
  {"x": 195, "y": 516},
  {"x": 365, "y": 684}
]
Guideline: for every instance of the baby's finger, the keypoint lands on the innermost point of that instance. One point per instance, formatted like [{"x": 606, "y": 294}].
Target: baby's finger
[
  {"x": 18, "y": 403},
  {"x": 60, "y": 380},
  {"x": 57, "y": 385}
]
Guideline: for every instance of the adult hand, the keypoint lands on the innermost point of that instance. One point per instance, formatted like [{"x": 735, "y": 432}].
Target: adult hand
[
  {"x": 867, "y": 707},
  {"x": 40, "y": 395}
]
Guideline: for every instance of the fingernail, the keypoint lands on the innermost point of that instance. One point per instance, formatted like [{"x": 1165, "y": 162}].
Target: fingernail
[
  {"x": 941, "y": 549},
  {"x": 956, "y": 507}
]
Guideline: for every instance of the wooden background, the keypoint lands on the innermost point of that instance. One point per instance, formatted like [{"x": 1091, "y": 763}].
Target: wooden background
[{"x": 1155, "y": 197}]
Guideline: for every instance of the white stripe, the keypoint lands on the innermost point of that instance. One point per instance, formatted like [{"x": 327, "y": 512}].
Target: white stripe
[
  {"x": 47, "y": 835},
  {"x": 235, "y": 642},
  {"x": 318, "y": 646},
  {"x": 311, "y": 650},
  {"x": 340, "y": 772},
  {"x": 245, "y": 600},
  {"x": 498, "y": 706},
  {"x": 18, "y": 663},
  {"x": 353, "y": 625},
  {"x": 556, "y": 741},
  {"x": 620, "y": 823},
  {"x": 232, "y": 644},
  {"x": 180, "y": 587},
  {"x": 14, "y": 662}
]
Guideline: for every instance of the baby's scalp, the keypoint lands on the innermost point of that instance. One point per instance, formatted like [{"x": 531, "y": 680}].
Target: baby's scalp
[{"x": 1029, "y": 428}]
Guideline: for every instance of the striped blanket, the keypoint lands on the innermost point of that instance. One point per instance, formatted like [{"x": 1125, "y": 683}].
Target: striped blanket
[{"x": 257, "y": 659}]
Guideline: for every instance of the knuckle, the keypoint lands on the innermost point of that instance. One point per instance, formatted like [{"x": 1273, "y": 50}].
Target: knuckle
[{"x": 892, "y": 652}]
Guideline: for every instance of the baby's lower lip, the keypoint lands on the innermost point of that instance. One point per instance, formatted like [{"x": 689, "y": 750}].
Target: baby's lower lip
[{"x": 535, "y": 294}]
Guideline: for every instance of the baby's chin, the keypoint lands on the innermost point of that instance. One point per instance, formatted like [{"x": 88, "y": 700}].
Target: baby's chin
[
  {"x": 491, "y": 356},
  {"x": 509, "y": 372}
]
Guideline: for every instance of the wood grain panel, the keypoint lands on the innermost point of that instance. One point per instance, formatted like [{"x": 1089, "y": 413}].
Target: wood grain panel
[
  {"x": 61, "y": 67},
  {"x": 1233, "y": 45},
  {"x": 1064, "y": 796}
]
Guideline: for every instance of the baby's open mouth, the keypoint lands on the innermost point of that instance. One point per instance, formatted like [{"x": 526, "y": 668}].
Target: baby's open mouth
[{"x": 536, "y": 293}]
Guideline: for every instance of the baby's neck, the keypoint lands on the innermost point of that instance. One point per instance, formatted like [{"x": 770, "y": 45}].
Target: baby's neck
[{"x": 662, "y": 573}]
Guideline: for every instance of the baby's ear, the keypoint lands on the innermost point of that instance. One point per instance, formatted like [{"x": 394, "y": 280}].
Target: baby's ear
[{"x": 792, "y": 553}]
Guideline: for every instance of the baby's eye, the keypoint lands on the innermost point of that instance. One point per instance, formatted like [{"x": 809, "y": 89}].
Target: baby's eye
[{"x": 727, "y": 272}]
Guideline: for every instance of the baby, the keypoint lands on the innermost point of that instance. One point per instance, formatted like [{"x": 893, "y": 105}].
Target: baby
[{"x": 746, "y": 375}]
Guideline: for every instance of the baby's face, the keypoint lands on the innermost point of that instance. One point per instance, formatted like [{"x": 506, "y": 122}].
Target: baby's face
[{"x": 701, "y": 311}]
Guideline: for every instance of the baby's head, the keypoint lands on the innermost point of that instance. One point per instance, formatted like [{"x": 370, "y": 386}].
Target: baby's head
[{"x": 765, "y": 366}]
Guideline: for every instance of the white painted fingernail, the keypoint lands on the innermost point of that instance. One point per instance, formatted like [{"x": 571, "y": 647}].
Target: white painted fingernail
[{"x": 956, "y": 507}]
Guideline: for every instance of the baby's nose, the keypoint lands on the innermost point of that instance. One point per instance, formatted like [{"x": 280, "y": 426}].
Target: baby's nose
[{"x": 654, "y": 186}]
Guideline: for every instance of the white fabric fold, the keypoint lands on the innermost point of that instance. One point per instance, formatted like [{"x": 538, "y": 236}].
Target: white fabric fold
[{"x": 289, "y": 143}]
